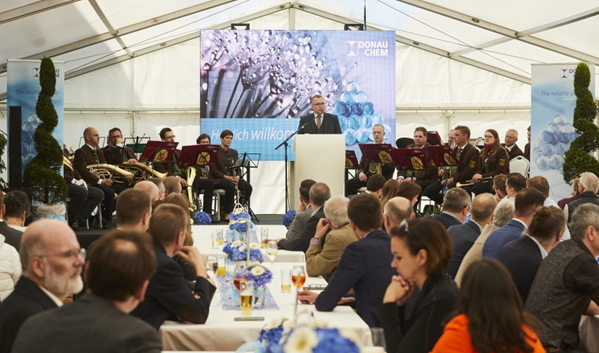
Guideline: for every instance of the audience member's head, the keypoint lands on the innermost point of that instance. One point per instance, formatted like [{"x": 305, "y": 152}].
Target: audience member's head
[
  {"x": 149, "y": 187},
  {"x": 51, "y": 257},
  {"x": 514, "y": 183},
  {"x": 134, "y": 210},
  {"x": 319, "y": 193},
  {"x": 375, "y": 184},
  {"x": 167, "y": 227},
  {"x": 588, "y": 182},
  {"x": 335, "y": 209},
  {"x": 457, "y": 202},
  {"x": 420, "y": 247},
  {"x": 120, "y": 266},
  {"x": 539, "y": 183},
  {"x": 547, "y": 226},
  {"x": 584, "y": 226},
  {"x": 396, "y": 211},
  {"x": 389, "y": 191},
  {"x": 528, "y": 200},
  {"x": 16, "y": 206},
  {"x": 364, "y": 213},
  {"x": 409, "y": 190},
  {"x": 489, "y": 299},
  {"x": 161, "y": 189},
  {"x": 575, "y": 186},
  {"x": 504, "y": 212},
  {"x": 181, "y": 201},
  {"x": 483, "y": 207},
  {"x": 171, "y": 185},
  {"x": 499, "y": 185},
  {"x": 304, "y": 191}
]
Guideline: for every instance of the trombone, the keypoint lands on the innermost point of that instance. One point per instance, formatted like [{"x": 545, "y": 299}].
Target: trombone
[{"x": 470, "y": 182}]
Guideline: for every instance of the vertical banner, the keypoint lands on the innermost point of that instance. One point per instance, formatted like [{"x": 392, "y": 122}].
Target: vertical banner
[
  {"x": 259, "y": 83},
  {"x": 23, "y": 88},
  {"x": 552, "y": 114}
]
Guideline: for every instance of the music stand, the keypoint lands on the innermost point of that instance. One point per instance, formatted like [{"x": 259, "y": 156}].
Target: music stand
[
  {"x": 443, "y": 156},
  {"x": 137, "y": 144},
  {"x": 247, "y": 161},
  {"x": 376, "y": 152},
  {"x": 158, "y": 152},
  {"x": 410, "y": 159},
  {"x": 433, "y": 138},
  {"x": 351, "y": 162},
  {"x": 198, "y": 155}
]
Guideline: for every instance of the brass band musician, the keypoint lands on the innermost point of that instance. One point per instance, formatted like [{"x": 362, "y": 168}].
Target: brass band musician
[
  {"x": 116, "y": 154},
  {"x": 422, "y": 178},
  {"x": 172, "y": 168},
  {"x": 201, "y": 182},
  {"x": 494, "y": 160}
]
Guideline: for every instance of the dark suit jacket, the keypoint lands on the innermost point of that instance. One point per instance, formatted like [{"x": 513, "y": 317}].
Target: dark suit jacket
[
  {"x": 330, "y": 125},
  {"x": 219, "y": 169},
  {"x": 299, "y": 223},
  {"x": 169, "y": 298},
  {"x": 91, "y": 324},
  {"x": 12, "y": 236},
  {"x": 169, "y": 167},
  {"x": 585, "y": 197},
  {"x": 302, "y": 242},
  {"x": 515, "y": 152},
  {"x": 527, "y": 151},
  {"x": 25, "y": 301},
  {"x": 497, "y": 240},
  {"x": 84, "y": 157},
  {"x": 469, "y": 160},
  {"x": 521, "y": 258},
  {"x": 387, "y": 169},
  {"x": 446, "y": 219},
  {"x": 117, "y": 154},
  {"x": 365, "y": 267},
  {"x": 498, "y": 162},
  {"x": 463, "y": 236}
]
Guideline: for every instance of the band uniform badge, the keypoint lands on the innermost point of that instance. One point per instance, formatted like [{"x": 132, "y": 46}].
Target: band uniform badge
[
  {"x": 473, "y": 164},
  {"x": 502, "y": 162}
]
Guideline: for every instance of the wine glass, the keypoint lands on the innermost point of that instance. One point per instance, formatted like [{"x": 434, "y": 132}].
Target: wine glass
[
  {"x": 298, "y": 276},
  {"x": 272, "y": 250}
]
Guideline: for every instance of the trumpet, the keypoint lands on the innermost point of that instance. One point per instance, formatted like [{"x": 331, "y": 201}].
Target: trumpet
[
  {"x": 470, "y": 182},
  {"x": 107, "y": 171}
]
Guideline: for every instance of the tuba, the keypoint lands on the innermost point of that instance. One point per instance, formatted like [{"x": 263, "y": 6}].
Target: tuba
[
  {"x": 107, "y": 171},
  {"x": 191, "y": 175},
  {"x": 141, "y": 171}
]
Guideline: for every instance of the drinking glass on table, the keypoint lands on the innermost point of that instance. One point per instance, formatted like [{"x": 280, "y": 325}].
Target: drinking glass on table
[
  {"x": 211, "y": 265},
  {"x": 298, "y": 276},
  {"x": 214, "y": 238},
  {"x": 246, "y": 292},
  {"x": 378, "y": 341},
  {"x": 285, "y": 280},
  {"x": 221, "y": 266},
  {"x": 263, "y": 237},
  {"x": 272, "y": 250}
]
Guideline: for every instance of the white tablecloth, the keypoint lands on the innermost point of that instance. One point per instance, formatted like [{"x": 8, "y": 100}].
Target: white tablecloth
[
  {"x": 589, "y": 333},
  {"x": 222, "y": 333},
  {"x": 203, "y": 241}
]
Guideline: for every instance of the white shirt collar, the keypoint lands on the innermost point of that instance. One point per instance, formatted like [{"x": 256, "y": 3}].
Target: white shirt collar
[
  {"x": 88, "y": 145},
  {"x": 321, "y": 116},
  {"x": 510, "y": 148},
  {"x": 543, "y": 252},
  {"x": 54, "y": 298}
]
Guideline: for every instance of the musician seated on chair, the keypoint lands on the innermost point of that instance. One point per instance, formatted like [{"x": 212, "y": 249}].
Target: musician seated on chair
[
  {"x": 369, "y": 169},
  {"x": 422, "y": 178},
  {"x": 201, "y": 182},
  {"x": 116, "y": 154},
  {"x": 90, "y": 154},
  {"x": 227, "y": 178},
  {"x": 172, "y": 167},
  {"x": 494, "y": 160},
  {"x": 467, "y": 155},
  {"x": 511, "y": 137}
]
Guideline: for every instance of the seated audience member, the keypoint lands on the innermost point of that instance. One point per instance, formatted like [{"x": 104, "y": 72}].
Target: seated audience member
[
  {"x": 464, "y": 235},
  {"x": 456, "y": 206},
  {"x": 304, "y": 213},
  {"x": 389, "y": 191},
  {"x": 10, "y": 268},
  {"x": 16, "y": 209},
  {"x": 161, "y": 189},
  {"x": 364, "y": 265},
  {"x": 526, "y": 204},
  {"x": 514, "y": 183},
  {"x": 134, "y": 210},
  {"x": 171, "y": 185},
  {"x": 489, "y": 316},
  {"x": 563, "y": 202},
  {"x": 499, "y": 185},
  {"x": 565, "y": 286},
  {"x": 375, "y": 184},
  {"x": 587, "y": 193},
  {"x": 118, "y": 272},
  {"x": 322, "y": 258},
  {"x": 410, "y": 191},
  {"x": 319, "y": 193},
  {"x": 11, "y": 236},
  {"x": 396, "y": 211},
  {"x": 421, "y": 250},
  {"x": 522, "y": 257},
  {"x": 189, "y": 272},
  {"x": 168, "y": 296},
  {"x": 504, "y": 212},
  {"x": 51, "y": 259},
  {"x": 150, "y": 187},
  {"x": 541, "y": 184}
]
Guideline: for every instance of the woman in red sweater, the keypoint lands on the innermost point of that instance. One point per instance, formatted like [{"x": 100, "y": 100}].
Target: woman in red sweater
[{"x": 490, "y": 316}]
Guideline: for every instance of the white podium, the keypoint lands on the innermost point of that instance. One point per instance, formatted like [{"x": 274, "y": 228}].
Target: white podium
[{"x": 320, "y": 157}]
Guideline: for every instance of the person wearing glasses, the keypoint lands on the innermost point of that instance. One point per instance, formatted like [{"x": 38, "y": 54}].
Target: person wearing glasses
[
  {"x": 52, "y": 260},
  {"x": 172, "y": 167},
  {"x": 421, "y": 251},
  {"x": 319, "y": 122}
]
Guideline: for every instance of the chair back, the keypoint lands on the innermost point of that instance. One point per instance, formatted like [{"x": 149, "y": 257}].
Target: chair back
[{"x": 520, "y": 165}]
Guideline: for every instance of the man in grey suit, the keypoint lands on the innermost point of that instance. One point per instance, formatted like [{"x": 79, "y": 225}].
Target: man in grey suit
[
  {"x": 303, "y": 215},
  {"x": 464, "y": 235},
  {"x": 319, "y": 122},
  {"x": 118, "y": 273}
]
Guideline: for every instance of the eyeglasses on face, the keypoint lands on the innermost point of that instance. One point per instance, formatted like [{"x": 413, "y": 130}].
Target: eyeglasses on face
[
  {"x": 317, "y": 104},
  {"x": 71, "y": 253}
]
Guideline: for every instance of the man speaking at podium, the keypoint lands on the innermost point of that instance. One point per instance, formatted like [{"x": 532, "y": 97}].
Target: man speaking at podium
[{"x": 319, "y": 122}]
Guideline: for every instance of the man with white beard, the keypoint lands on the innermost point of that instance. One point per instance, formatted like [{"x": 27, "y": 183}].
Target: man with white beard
[{"x": 52, "y": 260}]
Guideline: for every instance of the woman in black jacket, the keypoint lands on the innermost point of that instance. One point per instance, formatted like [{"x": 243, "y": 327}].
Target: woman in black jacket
[{"x": 421, "y": 251}]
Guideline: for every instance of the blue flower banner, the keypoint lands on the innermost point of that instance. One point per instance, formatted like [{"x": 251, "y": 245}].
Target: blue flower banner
[{"x": 259, "y": 83}]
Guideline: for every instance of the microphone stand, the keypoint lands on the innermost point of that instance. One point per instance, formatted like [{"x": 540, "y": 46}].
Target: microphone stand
[{"x": 286, "y": 159}]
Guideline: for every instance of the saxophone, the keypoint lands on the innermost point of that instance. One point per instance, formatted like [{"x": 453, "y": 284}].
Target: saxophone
[{"x": 107, "y": 171}]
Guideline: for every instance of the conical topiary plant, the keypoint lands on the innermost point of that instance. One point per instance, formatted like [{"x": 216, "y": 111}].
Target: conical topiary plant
[
  {"x": 42, "y": 174},
  {"x": 578, "y": 159}
]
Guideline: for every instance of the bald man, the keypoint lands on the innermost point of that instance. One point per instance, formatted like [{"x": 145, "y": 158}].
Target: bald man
[
  {"x": 396, "y": 211},
  {"x": 52, "y": 260},
  {"x": 150, "y": 187}
]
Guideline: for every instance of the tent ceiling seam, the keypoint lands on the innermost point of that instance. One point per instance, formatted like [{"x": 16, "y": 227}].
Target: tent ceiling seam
[{"x": 32, "y": 9}]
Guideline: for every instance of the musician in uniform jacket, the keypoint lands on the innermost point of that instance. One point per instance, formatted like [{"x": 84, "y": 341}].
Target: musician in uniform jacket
[
  {"x": 422, "y": 178},
  {"x": 493, "y": 160},
  {"x": 468, "y": 157},
  {"x": 511, "y": 137},
  {"x": 171, "y": 168},
  {"x": 115, "y": 154}
]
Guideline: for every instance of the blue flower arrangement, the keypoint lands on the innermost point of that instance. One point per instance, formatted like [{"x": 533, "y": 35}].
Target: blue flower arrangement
[
  {"x": 288, "y": 218},
  {"x": 239, "y": 220},
  {"x": 259, "y": 274},
  {"x": 236, "y": 251},
  {"x": 201, "y": 218}
]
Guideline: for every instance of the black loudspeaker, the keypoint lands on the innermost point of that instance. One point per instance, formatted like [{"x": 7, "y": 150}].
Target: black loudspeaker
[{"x": 15, "y": 179}]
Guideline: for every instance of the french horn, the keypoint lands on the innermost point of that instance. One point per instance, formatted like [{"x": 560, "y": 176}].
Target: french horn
[
  {"x": 108, "y": 171},
  {"x": 141, "y": 171}
]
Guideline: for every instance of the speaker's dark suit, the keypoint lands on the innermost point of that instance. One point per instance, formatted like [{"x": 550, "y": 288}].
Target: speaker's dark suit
[
  {"x": 302, "y": 242},
  {"x": 25, "y": 301},
  {"x": 330, "y": 125},
  {"x": 463, "y": 236},
  {"x": 522, "y": 259},
  {"x": 12, "y": 236},
  {"x": 91, "y": 324}
]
